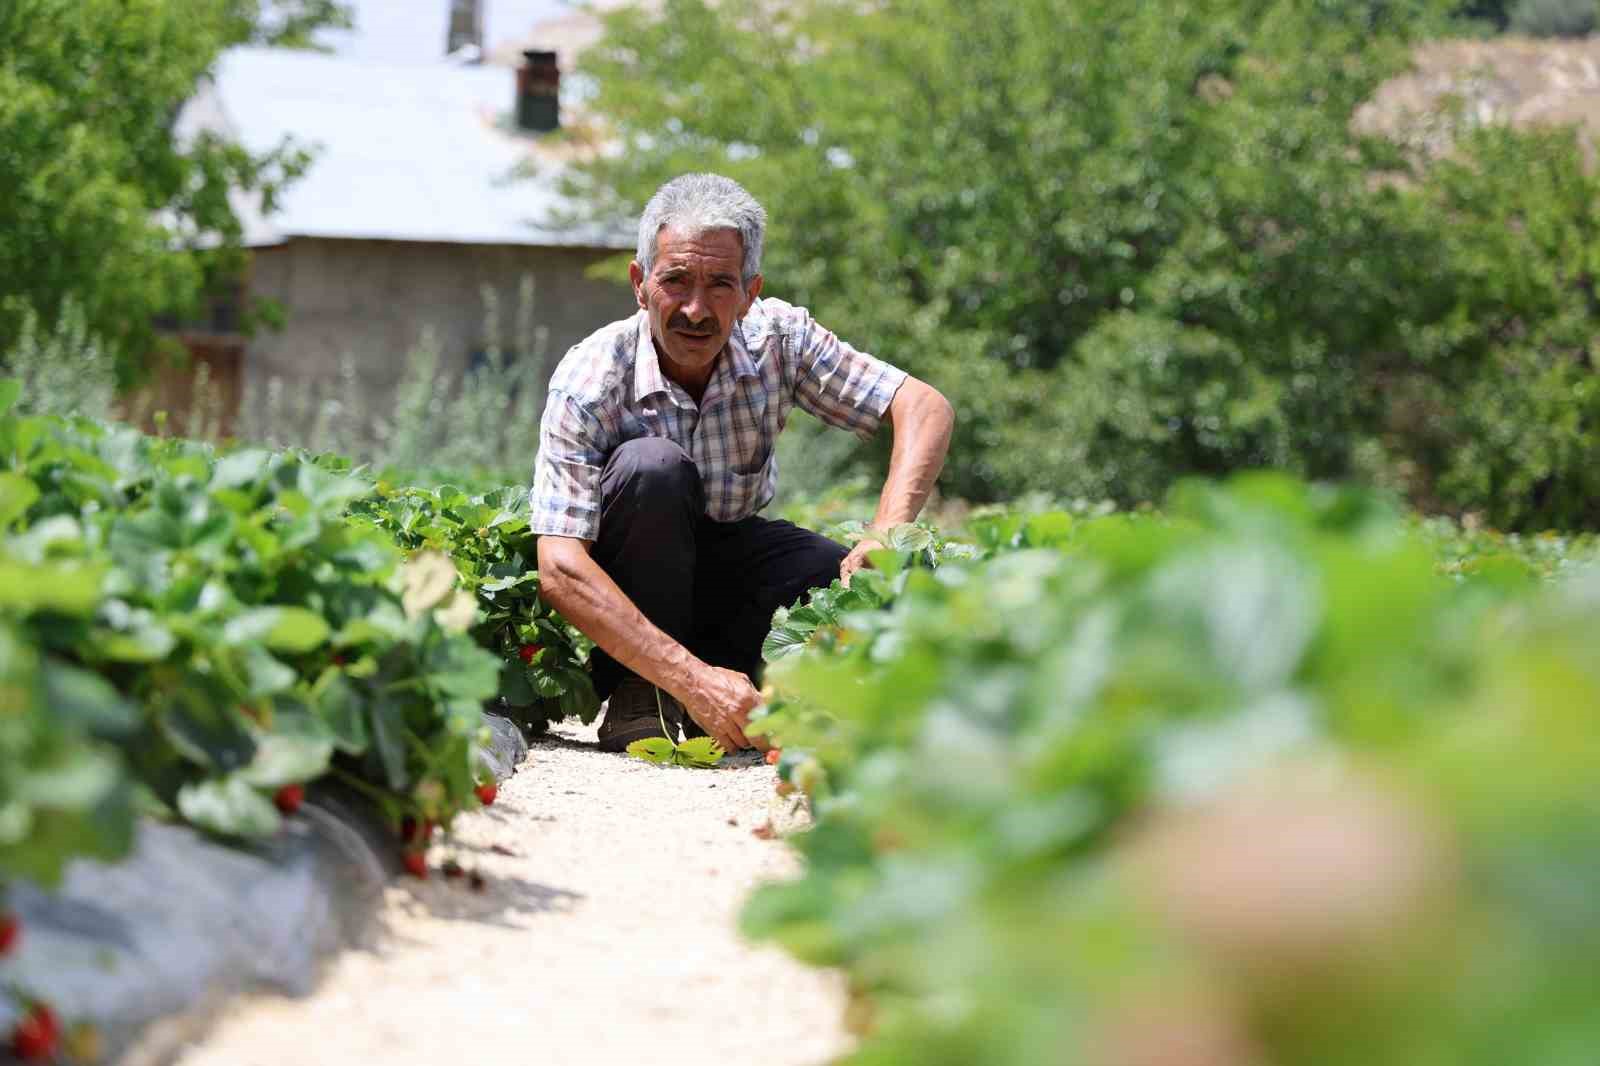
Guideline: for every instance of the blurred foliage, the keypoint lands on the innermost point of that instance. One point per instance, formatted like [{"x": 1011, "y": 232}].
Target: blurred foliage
[
  {"x": 1555, "y": 18},
  {"x": 99, "y": 205},
  {"x": 1248, "y": 781},
  {"x": 1137, "y": 242}
]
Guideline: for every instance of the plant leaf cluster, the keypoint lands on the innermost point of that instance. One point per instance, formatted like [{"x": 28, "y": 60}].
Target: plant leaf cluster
[
  {"x": 487, "y": 539},
  {"x": 1263, "y": 767},
  {"x": 206, "y": 627}
]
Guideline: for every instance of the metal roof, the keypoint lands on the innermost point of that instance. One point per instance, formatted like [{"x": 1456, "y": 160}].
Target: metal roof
[{"x": 416, "y": 152}]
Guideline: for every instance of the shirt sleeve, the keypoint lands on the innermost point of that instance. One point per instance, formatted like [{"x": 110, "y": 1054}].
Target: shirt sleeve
[
  {"x": 846, "y": 388},
  {"x": 566, "y": 473}
]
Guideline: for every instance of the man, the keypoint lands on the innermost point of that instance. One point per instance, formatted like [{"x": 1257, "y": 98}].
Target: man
[{"x": 656, "y": 453}]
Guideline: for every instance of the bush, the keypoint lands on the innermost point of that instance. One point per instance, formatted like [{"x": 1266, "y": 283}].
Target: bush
[{"x": 1555, "y": 18}]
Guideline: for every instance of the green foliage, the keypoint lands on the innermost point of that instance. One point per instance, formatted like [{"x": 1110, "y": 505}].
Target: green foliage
[
  {"x": 488, "y": 541},
  {"x": 1495, "y": 405},
  {"x": 1123, "y": 278},
  {"x": 1555, "y": 18},
  {"x": 700, "y": 753},
  {"x": 100, "y": 207},
  {"x": 64, "y": 371},
  {"x": 212, "y": 626},
  {"x": 1199, "y": 240},
  {"x": 1250, "y": 771}
]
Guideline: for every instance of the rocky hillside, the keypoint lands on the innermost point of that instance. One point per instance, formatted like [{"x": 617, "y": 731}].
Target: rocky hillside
[{"x": 1509, "y": 79}]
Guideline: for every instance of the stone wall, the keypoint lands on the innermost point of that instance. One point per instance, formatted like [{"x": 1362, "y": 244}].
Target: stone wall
[{"x": 373, "y": 301}]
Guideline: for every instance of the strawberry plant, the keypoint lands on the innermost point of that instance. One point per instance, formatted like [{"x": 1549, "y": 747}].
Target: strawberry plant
[
  {"x": 211, "y": 628},
  {"x": 696, "y": 752},
  {"x": 1251, "y": 771},
  {"x": 544, "y": 659}
]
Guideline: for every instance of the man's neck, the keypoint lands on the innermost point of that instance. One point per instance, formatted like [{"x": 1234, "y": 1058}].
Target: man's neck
[{"x": 694, "y": 383}]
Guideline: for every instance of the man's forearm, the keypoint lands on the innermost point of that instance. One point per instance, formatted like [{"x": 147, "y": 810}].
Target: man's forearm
[
  {"x": 574, "y": 584},
  {"x": 922, "y": 421}
]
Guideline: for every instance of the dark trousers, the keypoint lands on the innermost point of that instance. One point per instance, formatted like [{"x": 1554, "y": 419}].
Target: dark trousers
[{"x": 711, "y": 585}]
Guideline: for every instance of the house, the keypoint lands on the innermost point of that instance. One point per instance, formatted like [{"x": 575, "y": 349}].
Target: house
[{"x": 430, "y": 194}]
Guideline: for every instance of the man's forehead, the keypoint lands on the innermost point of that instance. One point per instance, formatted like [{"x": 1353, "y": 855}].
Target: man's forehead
[{"x": 708, "y": 247}]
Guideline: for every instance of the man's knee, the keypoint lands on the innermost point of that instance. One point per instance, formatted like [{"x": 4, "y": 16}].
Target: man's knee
[{"x": 650, "y": 470}]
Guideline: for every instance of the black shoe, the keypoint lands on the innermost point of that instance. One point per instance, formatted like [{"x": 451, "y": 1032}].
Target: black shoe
[{"x": 633, "y": 713}]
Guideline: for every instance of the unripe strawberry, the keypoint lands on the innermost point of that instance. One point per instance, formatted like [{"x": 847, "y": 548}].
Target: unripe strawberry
[
  {"x": 289, "y": 797},
  {"x": 416, "y": 864},
  {"x": 528, "y": 651},
  {"x": 37, "y": 1035},
  {"x": 487, "y": 793},
  {"x": 10, "y": 933}
]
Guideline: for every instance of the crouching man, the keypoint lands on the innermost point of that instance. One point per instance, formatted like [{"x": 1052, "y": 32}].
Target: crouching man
[{"x": 656, "y": 455}]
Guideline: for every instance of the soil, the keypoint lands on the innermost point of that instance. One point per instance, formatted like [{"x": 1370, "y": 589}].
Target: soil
[{"x": 604, "y": 932}]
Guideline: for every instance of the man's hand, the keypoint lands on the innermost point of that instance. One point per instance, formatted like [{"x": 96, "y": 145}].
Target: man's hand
[
  {"x": 721, "y": 702},
  {"x": 857, "y": 559}
]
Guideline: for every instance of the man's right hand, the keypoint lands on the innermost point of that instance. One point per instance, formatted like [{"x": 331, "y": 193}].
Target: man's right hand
[{"x": 720, "y": 703}]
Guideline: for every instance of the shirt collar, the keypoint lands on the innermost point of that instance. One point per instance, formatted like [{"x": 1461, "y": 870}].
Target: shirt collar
[
  {"x": 647, "y": 377},
  {"x": 648, "y": 380}
]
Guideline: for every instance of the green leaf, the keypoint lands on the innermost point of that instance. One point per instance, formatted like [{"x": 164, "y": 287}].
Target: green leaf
[
  {"x": 87, "y": 701},
  {"x": 701, "y": 752},
  {"x": 287, "y": 760},
  {"x": 228, "y": 806},
  {"x": 10, "y": 390},
  {"x": 514, "y": 686},
  {"x": 199, "y": 720},
  {"x": 290, "y": 629},
  {"x": 388, "y": 736},
  {"x": 268, "y": 675},
  {"x": 17, "y": 494},
  {"x": 340, "y": 706},
  {"x": 658, "y": 750}
]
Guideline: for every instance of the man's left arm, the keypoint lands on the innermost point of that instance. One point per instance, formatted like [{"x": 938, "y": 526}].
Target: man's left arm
[{"x": 921, "y": 420}]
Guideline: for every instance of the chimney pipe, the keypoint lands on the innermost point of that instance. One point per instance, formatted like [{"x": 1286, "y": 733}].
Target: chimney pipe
[
  {"x": 538, "y": 93},
  {"x": 466, "y": 27}
]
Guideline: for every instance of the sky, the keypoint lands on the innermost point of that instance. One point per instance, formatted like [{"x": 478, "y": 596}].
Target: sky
[{"x": 407, "y": 31}]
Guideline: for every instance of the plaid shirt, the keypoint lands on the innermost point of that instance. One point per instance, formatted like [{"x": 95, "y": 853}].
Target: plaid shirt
[{"x": 609, "y": 389}]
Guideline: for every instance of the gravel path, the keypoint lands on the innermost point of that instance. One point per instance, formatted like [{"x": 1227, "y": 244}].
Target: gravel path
[{"x": 605, "y": 934}]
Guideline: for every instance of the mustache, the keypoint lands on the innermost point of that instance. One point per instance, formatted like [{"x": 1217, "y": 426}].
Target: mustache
[{"x": 681, "y": 321}]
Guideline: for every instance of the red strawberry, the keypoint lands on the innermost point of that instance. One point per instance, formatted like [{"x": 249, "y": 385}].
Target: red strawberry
[
  {"x": 416, "y": 864},
  {"x": 10, "y": 931},
  {"x": 773, "y": 755},
  {"x": 289, "y": 797},
  {"x": 487, "y": 793},
  {"x": 414, "y": 832},
  {"x": 36, "y": 1036},
  {"x": 528, "y": 651},
  {"x": 339, "y": 660}
]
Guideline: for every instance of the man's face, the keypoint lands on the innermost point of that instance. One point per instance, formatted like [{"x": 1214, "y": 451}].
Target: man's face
[{"x": 695, "y": 297}]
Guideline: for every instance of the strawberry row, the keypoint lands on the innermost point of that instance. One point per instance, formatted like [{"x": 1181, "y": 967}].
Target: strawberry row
[
  {"x": 200, "y": 633},
  {"x": 1253, "y": 779}
]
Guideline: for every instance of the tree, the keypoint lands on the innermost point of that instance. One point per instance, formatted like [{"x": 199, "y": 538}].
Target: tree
[
  {"x": 1131, "y": 240},
  {"x": 100, "y": 208}
]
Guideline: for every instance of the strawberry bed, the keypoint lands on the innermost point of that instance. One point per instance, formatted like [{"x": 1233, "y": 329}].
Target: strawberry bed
[
  {"x": 1276, "y": 775},
  {"x": 198, "y": 633}
]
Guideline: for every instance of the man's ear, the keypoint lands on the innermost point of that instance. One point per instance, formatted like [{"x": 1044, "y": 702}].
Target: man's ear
[
  {"x": 750, "y": 295},
  {"x": 636, "y": 276}
]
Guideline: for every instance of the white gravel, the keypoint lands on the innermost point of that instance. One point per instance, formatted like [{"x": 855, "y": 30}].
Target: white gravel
[{"x": 606, "y": 935}]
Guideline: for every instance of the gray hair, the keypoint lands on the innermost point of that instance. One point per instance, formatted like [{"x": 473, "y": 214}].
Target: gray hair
[{"x": 695, "y": 203}]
